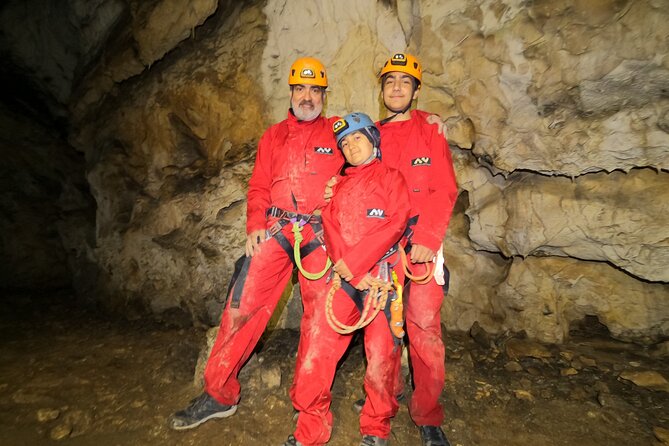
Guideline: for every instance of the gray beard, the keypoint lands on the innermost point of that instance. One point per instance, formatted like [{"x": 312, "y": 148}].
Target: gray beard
[{"x": 306, "y": 116}]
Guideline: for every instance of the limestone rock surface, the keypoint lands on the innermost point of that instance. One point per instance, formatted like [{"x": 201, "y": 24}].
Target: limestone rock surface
[
  {"x": 557, "y": 113},
  {"x": 613, "y": 217}
]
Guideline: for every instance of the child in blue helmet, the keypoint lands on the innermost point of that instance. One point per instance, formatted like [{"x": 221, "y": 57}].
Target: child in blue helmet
[{"x": 362, "y": 224}]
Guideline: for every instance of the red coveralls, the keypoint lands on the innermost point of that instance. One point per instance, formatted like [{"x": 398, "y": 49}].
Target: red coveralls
[
  {"x": 422, "y": 155},
  {"x": 294, "y": 161},
  {"x": 366, "y": 217}
]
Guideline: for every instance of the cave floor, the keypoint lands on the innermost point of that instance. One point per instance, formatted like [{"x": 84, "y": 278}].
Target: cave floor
[{"x": 73, "y": 377}]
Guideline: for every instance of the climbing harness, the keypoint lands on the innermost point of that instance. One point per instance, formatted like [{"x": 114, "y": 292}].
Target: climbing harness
[
  {"x": 376, "y": 299},
  {"x": 295, "y": 252},
  {"x": 385, "y": 294}
]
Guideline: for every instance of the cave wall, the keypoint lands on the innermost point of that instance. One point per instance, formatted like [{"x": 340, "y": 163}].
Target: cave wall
[
  {"x": 557, "y": 113},
  {"x": 46, "y": 211}
]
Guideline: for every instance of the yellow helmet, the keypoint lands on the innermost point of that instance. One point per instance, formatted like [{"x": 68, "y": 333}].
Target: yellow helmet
[
  {"x": 308, "y": 71},
  {"x": 404, "y": 63}
]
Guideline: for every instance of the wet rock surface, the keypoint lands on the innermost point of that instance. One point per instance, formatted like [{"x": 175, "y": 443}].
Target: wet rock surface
[{"x": 71, "y": 376}]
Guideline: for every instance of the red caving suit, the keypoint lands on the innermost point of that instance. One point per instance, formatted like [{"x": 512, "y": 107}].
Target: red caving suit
[
  {"x": 416, "y": 149},
  {"x": 294, "y": 161},
  {"x": 365, "y": 219}
]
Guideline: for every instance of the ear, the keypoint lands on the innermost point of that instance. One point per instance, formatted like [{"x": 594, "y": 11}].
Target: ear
[{"x": 415, "y": 94}]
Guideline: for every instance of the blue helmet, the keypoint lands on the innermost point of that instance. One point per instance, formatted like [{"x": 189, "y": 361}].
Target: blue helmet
[{"x": 357, "y": 122}]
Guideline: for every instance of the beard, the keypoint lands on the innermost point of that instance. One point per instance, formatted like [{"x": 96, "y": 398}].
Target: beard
[{"x": 306, "y": 110}]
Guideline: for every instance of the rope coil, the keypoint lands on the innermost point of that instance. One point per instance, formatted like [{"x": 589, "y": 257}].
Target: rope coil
[
  {"x": 375, "y": 301},
  {"x": 297, "y": 232},
  {"x": 421, "y": 280}
]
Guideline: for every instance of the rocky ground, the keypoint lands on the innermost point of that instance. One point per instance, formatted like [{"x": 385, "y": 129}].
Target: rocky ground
[{"x": 71, "y": 376}]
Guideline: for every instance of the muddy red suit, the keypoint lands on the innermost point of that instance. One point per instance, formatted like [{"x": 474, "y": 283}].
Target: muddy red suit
[
  {"x": 421, "y": 154},
  {"x": 294, "y": 161},
  {"x": 366, "y": 217}
]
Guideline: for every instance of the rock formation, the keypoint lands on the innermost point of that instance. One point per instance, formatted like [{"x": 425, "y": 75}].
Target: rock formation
[{"x": 557, "y": 114}]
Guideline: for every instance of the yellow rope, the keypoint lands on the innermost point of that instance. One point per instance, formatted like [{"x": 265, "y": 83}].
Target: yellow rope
[
  {"x": 297, "y": 232},
  {"x": 375, "y": 301}
]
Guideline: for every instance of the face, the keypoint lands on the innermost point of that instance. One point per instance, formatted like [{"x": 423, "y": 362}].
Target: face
[
  {"x": 307, "y": 101},
  {"x": 398, "y": 91},
  {"x": 357, "y": 148}
]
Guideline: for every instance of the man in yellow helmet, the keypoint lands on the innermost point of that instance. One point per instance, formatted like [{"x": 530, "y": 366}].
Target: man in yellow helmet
[
  {"x": 421, "y": 154},
  {"x": 295, "y": 159}
]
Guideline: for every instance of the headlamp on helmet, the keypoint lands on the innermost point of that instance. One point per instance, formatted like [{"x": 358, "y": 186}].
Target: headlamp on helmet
[
  {"x": 404, "y": 63},
  {"x": 308, "y": 71}
]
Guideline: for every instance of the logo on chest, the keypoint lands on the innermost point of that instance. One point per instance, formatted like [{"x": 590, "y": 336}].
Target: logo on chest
[
  {"x": 422, "y": 161},
  {"x": 376, "y": 213},
  {"x": 324, "y": 150}
]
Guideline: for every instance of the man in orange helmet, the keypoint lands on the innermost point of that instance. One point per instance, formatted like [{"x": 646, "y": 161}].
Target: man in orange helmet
[
  {"x": 295, "y": 158},
  {"x": 416, "y": 149}
]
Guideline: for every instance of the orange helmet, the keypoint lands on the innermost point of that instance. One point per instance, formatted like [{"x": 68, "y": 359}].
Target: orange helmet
[
  {"x": 308, "y": 71},
  {"x": 405, "y": 63}
]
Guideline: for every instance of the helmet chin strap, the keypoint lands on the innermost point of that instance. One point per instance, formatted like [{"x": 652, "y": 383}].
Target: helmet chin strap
[
  {"x": 398, "y": 111},
  {"x": 371, "y": 158}
]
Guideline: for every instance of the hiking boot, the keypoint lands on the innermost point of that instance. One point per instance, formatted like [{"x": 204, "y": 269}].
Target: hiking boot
[
  {"x": 357, "y": 406},
  {"x": 292, "y": 442},
  {"x": 371, "y": 440},
  {"x": 433, "y": 436},
  {"x": 199, "y": 410}
]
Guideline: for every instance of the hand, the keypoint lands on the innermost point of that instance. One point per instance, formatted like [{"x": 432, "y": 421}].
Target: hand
[
  {"x": 441, "y": 125},
  {"x": 365, "y": 283},
  {"x": 342, "y": 269},
  {"x": 421, "y": 254},
  {"x": 327, "y": 195},
  {"x": 253, "y": 241}
]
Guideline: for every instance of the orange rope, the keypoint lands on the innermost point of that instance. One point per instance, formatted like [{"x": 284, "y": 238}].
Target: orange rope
[
  {"x": 421, "y": 280},
  {"x": 375, "y": 301}
]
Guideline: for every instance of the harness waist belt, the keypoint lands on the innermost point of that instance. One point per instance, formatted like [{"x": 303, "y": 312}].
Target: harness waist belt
[{"x": 287, "y": 215}]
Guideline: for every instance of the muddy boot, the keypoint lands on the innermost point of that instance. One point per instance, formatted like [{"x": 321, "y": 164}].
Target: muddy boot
[
  {"x": 291, "y": 442},
  {"x": 371, "y": 440},
  {"x": 433, "y": 436},
  {"x": 201, "y": 409},
  {"x": 357, "y": 406}
]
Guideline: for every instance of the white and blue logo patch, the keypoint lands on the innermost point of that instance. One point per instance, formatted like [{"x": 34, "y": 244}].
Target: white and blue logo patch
[
  {"x": 422, "y": 161},
  {"x": 324, "y": 150},
  {"x": 376, "y": 213}
]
